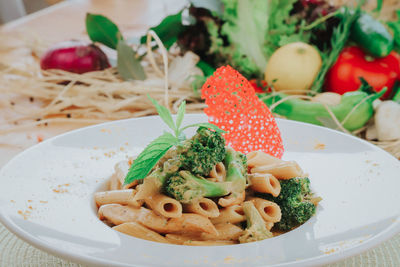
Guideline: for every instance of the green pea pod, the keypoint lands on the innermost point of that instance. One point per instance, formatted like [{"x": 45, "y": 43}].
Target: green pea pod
[
  {"x": 354, "y": 109},
  {"x": 372, "y": 36}
]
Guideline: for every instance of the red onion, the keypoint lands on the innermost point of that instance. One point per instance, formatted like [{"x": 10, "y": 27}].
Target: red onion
[{"x": 74, "y": 56}]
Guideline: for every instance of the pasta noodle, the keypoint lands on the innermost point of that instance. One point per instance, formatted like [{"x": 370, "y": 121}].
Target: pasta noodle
[
  {"x": 117, "y": 214},
  {"x": 123, "y": 197},
  {"x": 208, "y": 243},
  {"x": 232, "y": 199},
  {"x": 268, "y": 210},
  {"x": 259, "y": 158},
  {"x": 180, "y": 239},
  {"x": 165, "y": 206},
  {"x": 218, "y": 172},
  {"x": 232, "y": 214},
  {"x": 139, "y": 231},
  {"x": 204, "y": 206},
  {"x": 151, "y": 186},
  {"x": 117, "y": 180},
  {"x": 226, "y": 231},
  {"x": 265, "y": 183},
  {"x": 283, "y": 170}
]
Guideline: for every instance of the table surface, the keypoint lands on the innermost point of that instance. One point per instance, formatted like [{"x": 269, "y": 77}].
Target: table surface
[{"x": 65, "y": 21}]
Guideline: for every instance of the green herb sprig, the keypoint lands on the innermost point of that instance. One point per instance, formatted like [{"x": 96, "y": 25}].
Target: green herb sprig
[{"x": 149, "y": 157}]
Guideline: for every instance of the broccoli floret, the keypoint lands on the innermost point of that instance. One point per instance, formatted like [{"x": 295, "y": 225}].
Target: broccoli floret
[
  {"x": 185, "y": 187},
  {"x": 294, "y": 201},
  {"x": 200, "y": 153},
  {"x": 255, "y": 229}
]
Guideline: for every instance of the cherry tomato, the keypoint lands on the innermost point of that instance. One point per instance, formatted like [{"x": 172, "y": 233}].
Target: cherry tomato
[
  {"x": 353, "y": 63},
  {"x": 260, "y": 86}
]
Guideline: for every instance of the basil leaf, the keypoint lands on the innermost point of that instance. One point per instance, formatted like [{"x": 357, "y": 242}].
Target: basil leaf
[
  {"x": 205, "y": 124},
  {"x": 128, "y": 65},
  {"x": 181, "y": 113},
  {"x": 101, "y": 29},
  {"x": 168, "y": 30},
  {"x": 164, "y": 113},
  {"x": 146, "y": 160}
]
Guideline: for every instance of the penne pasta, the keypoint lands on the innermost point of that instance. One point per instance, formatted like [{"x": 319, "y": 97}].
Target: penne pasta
[
  {"x": 121, "y": 170},
  {"x": 268, "y": 210},
  {"x": 188, "y": 222},
  {"x": 208, "y": 243},
  {"x": 232, "y": 214},
  {"x": 269, "y": 225},
  {"x": 139, "y": 231},
  {"x": 218, "y": 172},
  {"x": 123, "y": 197},
  {"x": 204, "y": 206},
  {"x": 180, "y": 239},
  {"x": 151, "y": 186},
  {"x": 226, "y": 231},
  {"x": 114, "y": 183},
  {"x": 118, "y": 214},
  {"x": 232, "y": 199},
  {"x": 259, "y": 158},
  {"x": 265, "y": 183},
  {"x": 283, "y": 170},
  {"x": 165, "y": 206}
]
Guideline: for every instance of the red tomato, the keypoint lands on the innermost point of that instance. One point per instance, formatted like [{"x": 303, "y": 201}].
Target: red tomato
[
  {"x": 353, "y": 63},
  {"x": 260, "y": 86}
]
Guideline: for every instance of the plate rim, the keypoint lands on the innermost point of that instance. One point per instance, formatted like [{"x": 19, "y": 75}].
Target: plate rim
[{"x": 378, "y": 239}]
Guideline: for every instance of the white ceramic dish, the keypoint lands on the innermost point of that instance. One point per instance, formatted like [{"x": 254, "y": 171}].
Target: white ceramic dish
[{"x": 46, "y": 198}]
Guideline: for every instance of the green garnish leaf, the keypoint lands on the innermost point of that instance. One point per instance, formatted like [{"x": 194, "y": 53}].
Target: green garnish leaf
[
  {"x": 128, "y": 65},
  {"x": 164, "y": 114},
  {"x": 181, "y": 113},
  {"x": 103, "y": 30},
  {"x": 146, "y": 160},
  {"x": 168, "y": 30},
  {"x": 205, "y": 124}
]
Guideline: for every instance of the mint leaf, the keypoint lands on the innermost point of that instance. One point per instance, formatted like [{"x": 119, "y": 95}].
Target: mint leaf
[
  {"x": 128, "y": 65},
  {"x": 181, "y": 113},
  {"x": 164, "y": 114},
  {"x": 101, "y": 29},
  {"x": 146, "y": 160},
  {"x": 205, "y": 124}
]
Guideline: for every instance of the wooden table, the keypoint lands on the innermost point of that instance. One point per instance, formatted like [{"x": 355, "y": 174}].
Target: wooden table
[{"x": 66, "y": 21}]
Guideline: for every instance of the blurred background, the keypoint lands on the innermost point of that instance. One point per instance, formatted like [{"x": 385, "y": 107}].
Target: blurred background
[{"x": 14, "y": 9}]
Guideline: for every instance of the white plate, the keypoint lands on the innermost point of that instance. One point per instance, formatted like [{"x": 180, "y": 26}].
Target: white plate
[{"x": 46, "y": 198}]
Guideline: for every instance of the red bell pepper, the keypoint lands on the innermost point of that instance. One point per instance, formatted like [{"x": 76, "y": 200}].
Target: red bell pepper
[{"x": 353, "y": 63}]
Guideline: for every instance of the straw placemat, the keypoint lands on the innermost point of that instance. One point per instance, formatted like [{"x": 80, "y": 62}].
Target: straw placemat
[{"x": 15, "y": 252}]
